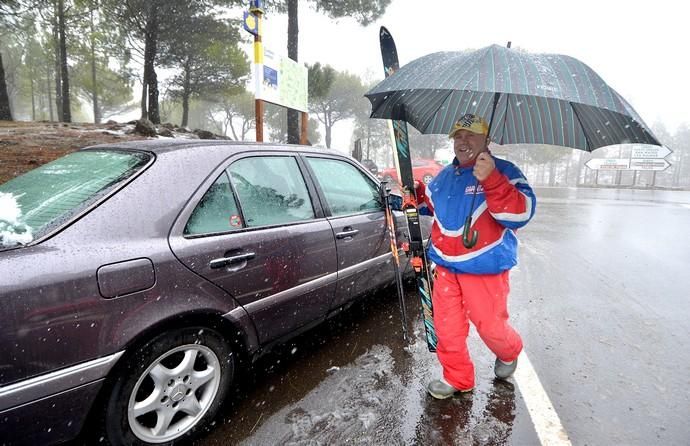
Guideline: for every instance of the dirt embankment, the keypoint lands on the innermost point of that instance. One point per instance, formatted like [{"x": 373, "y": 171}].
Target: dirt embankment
[{"x": 26, "y": 145}]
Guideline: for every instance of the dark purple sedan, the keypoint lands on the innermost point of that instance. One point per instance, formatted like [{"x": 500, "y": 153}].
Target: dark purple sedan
[{"x": 133, "y": 278}]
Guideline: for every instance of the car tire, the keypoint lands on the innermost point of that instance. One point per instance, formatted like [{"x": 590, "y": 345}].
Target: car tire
[
  {"x": 427, "y": 178},
  {"x": 169, "y": 389}
]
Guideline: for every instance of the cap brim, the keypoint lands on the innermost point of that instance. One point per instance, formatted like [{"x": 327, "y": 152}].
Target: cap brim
[{"x": 452, "y": 134}]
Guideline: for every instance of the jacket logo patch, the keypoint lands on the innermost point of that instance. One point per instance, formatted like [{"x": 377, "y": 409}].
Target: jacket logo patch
[{"x": 469, "y": 190}]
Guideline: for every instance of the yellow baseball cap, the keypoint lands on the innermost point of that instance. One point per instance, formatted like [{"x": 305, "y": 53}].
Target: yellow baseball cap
[{"x": 473, "y": 123}]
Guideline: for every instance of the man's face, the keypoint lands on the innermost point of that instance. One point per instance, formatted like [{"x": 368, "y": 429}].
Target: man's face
[{"x": 468, "y": 145}]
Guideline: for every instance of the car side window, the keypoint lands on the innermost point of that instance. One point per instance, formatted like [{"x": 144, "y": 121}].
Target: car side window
[
  {"x": 347, "y": 189},
  {"x": 271, "y": 190},
  {"x": 217, "y": 210}
]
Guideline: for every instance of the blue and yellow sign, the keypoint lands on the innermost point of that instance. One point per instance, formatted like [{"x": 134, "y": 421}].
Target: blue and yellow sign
[{"x": 250, "y": 23}]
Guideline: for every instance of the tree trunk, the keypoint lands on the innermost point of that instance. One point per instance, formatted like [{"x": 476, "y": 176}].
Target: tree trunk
[
  {"x": 679, "y": 164},
  {"x": 94, "y": 92},
  {"x": 567, "y": 170},
  {"x": 66, "y": 112},
  {"x": 185, "y": 94},
  {"x": 58, "y": 80},
  {"x": 50, "y": 95},
  {"x": 154, "y": 110},
  {"x": 41, "y": 114},
  {"x": 681, "y": 167},
  {"x": 151, "y": 79},
  {"x": 147, "y": 72},
  {"x": 329, "y": 127},
  {"x": 185, "y": 109},
  {"x": 293, "y": 40},
  {"x": 580, "y": 165},
  {"x": 144, "y": 94},
  {"x": 149, "y": 93},
  {"x": 33, "y": 93},
  {"x": 246, "y": 127},
  {"x": 5, "y": 110},
  {"x": 619, "y": 173},
  {"x": 231, "y": 127},
  {"x": 368, "y": 141}
]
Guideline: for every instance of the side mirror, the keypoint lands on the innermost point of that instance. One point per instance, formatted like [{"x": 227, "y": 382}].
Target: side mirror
[{"x": 395, "y": 201}]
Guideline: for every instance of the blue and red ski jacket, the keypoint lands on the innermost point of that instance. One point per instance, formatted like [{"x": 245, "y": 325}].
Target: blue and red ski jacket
[{"x": 504, "y": 203}]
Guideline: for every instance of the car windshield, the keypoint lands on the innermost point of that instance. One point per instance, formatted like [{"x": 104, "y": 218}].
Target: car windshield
[{"x": 33, "y": 204}]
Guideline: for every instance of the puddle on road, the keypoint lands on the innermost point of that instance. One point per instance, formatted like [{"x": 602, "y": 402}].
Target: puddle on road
[
  {"x": 367, "y": 403},
  {"x": 356, "y": 402},
  {"x": 362, "y": 385}
]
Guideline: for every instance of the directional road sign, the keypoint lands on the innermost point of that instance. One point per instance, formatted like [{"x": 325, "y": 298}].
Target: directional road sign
[
  {"x": 608, "y": 163},
  {"x": 648, "y": 151},
  {"x": 649, "y": 164}
]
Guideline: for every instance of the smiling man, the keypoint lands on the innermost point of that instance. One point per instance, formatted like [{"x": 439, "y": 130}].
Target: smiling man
[{"x": 472, "y": 284}]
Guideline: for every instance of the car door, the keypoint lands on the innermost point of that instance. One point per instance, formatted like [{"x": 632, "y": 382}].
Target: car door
[
  {"x": 356, "y": 213},
  {"x": 256, "y": 232}
]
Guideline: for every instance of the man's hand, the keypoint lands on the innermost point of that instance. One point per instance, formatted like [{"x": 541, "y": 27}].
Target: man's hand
[{"x": 483, "y": 166}]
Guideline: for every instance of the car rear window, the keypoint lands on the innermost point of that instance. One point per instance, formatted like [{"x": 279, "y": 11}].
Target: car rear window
[
  {"x": 35, "y": 203},
  {"x": 346, "y": 188}
]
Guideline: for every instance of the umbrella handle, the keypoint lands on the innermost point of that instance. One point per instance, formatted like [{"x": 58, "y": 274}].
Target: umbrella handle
[{"x": 466, "y": 240}]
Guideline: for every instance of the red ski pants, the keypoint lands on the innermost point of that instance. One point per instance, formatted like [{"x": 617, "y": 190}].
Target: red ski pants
[{"x": 482, "y": 299}]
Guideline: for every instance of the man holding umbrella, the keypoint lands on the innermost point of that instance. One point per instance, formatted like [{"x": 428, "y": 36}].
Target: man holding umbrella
[
  {"x": 472, "y": 283},
  {"x": 530, "y": 98}
]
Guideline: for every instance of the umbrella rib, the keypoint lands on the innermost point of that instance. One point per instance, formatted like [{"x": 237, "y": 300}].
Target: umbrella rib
[
  {"x": 493, "y": 111},
  {"x": 577, "y": 116},
  {"x": 576, "y": 92},
  {"x": 505, "y": 116},
  {"x": 592, "y": 90},
  {"x": 539, "y": 110},
  {"x": 525, "y": 111}
]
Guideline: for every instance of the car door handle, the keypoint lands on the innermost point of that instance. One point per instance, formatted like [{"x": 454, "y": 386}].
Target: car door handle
[
  {"x": 347, "y": 232},
  {"x": 224, "y": 261}
]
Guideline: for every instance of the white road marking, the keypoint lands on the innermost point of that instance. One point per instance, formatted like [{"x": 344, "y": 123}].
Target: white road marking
[{"x": 544, "y": 416}]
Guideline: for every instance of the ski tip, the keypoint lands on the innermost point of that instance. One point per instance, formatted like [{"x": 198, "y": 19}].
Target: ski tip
[{"x": 384, "y": 32}]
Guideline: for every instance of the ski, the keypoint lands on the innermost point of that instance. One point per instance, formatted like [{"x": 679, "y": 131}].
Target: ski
[
  {"x": 390, "y": 218},
  {"x": 403, "y": 163}
]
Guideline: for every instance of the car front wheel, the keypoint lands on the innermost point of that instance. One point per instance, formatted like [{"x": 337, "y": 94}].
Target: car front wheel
[{"x": 170, "y": 388}]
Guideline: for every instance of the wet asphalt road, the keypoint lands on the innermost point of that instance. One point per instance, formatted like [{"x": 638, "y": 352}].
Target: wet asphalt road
[{"x": 601, "y": 299}]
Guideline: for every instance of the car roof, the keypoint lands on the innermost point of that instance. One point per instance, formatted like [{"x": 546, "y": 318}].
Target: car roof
[{"x": 161, "y": 146}]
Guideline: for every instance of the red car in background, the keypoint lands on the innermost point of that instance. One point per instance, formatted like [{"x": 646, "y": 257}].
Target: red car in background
[{"x": 422, "y": 170}]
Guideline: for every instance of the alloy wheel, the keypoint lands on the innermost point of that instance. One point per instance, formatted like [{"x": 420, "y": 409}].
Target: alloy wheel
[{"x": 174, "y": 393}]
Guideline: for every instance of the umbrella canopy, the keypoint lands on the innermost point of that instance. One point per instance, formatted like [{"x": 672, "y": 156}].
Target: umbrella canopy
[{"x": 529, "y": 98}]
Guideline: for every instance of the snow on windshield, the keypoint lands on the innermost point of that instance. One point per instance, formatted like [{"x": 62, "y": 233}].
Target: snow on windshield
[{"x": 12, "y": 230}]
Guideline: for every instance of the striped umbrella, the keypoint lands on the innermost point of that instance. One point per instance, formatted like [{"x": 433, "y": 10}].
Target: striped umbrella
[{"x": 536, "y": 98}]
